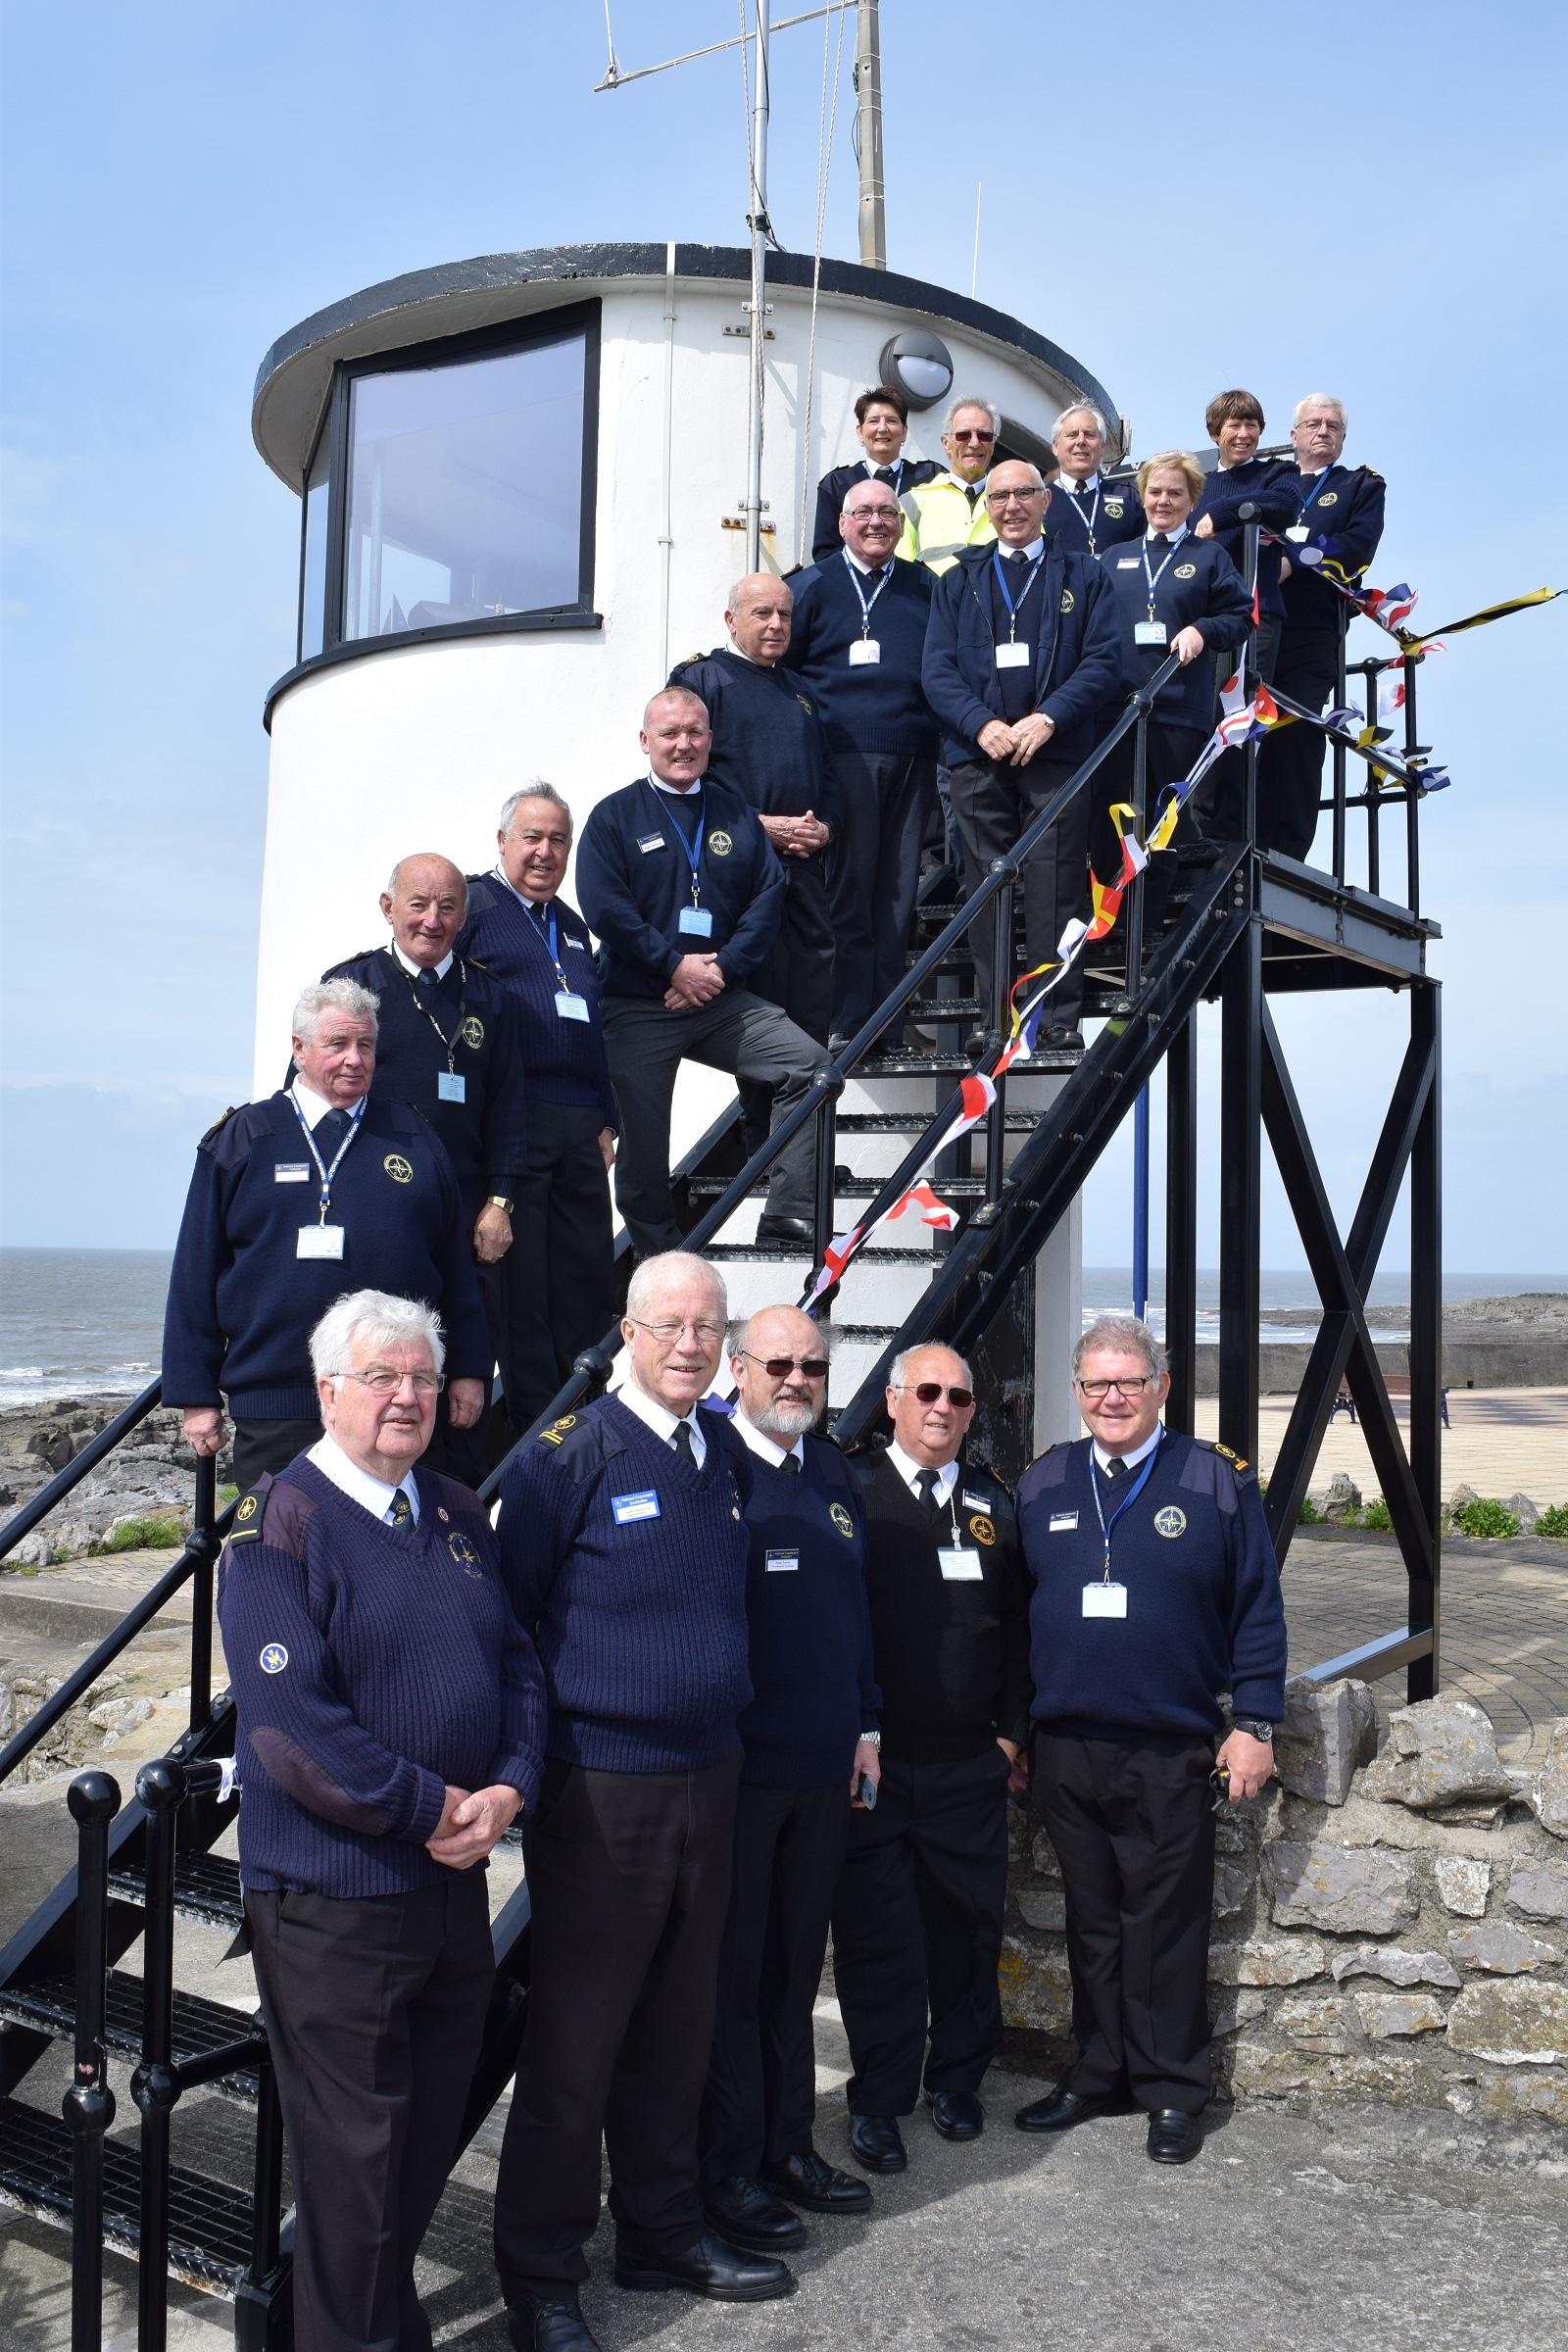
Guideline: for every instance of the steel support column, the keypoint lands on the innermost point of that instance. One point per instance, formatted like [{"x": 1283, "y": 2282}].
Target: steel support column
[
  {"x": 1240, "y": 1179},
  {"x": 1181, "y": 1225},
  {"x": 1426, "y": 1335}
]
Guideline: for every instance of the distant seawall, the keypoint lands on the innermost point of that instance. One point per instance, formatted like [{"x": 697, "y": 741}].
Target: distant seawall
[{"x": 1503, "y": 1362}]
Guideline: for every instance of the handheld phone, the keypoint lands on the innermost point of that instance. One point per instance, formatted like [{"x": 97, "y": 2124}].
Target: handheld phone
[{"x": 866, "y": 1792}]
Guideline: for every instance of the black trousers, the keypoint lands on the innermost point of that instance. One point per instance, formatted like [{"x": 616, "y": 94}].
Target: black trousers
[
  {"x": 464, "y": 1453},
  {"x": 874, "y": 873},
  {"x": 761, "y": 2101},
  {"x": 1221, "y": 798},
  {"x": 558, "y": 1274},
  {"x": 993, "y": 802},
  {"x": 374, "y": 2008},
  {"x": 1289, "y": 763},
  {"x": 918, "y": 1931},
  {"x": 1171, "y": 752},
  {"x": 630, "y": 1878},
  {"x": 1133, "y": 1828},
  {"x": 268, "y": 1445},
  {"x": 796, "y": 974},
  {"x": 647, "y": 1043}
]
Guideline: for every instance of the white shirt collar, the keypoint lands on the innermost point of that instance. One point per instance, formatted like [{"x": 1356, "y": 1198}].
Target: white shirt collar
[
  {"x": 767, "y": 1446},
  {"x": 1073, "y": 488},
  {"x": 1034, "y": 549},
  {"x": 1131, "y": 1461},
  {"x": 675, "y": 792},
  {"x": 874, "y": 466},
  {"x": 1175, "y": 537},
  {"x": 533, "y": 907},
  {"x": 867, "y": 569},
  {"x": 440, "y": 969},
  {"x": 313, "y": 1106},
  {"x": 751, "y": 664},
  {"x": 946, "y": 1476},
  {"x": 660, "y": 1420},
  {"x": 373, "y": 1494}
]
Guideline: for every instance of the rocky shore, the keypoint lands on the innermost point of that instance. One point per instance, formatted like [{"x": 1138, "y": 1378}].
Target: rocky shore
[{"x": 149, "y": 1477}]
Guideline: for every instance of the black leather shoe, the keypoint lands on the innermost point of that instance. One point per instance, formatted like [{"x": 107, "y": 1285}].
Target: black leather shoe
[
  {"x": 712, "y": 2267},
  {"x": 811, "y": 2180},
  {"x": 1065, "y": 2108},
  {"x": 957, "y": 2114},
  {"x": 746, "y": 2214},
  {"x": 548, "y": 2323},
  {"x": 1174, "y": 2136},
  {"x": 1062, "y": 1040},
  {"x": 795, "y": 1231},
  {"x": 876, "y": 2143}
]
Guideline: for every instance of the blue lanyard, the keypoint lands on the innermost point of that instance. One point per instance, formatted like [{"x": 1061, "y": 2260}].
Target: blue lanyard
[
  {"x": 1090, "y": 520},
  {"x": 538, "y": 930},
  {"x": 1161, "y": 574},
  {"x": 1318, "y": 488},
  {"x": 866, "y": 609},
  {"x": 694, "y": 854},
  {"x": 1106, "y": 1525},
  {"x": 1013, "y": 609},
  {"x": 324, "y": 1172}
]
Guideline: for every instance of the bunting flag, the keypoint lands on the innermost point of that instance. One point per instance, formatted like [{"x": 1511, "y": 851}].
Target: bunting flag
[
  {"x": 1479, "y": 620},
  {"x": 1240, "y": 723},
  {"x": 932, "y": 1210},
  {"x": 1387, "y": 607}
]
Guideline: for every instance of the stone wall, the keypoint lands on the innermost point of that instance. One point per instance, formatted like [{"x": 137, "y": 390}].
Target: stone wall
[{"x": 1393, "y": 1929}]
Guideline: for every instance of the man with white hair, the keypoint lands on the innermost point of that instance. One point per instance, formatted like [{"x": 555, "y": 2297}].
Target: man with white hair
[
  {"x": 295, "y": 1200},
  {"x": 390, "y": 1722},
  {"x": 1087, "y": 513},
  {"x": 624, "y": 1552}
]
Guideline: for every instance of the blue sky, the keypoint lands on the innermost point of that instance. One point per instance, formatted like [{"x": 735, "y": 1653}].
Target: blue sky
[{"x": 1306, "y": 200}]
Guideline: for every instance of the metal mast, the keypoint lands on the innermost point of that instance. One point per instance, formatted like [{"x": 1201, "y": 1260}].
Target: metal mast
[
  {"x": 869, "y": 93},
  {"x": 758, "y": 221}
]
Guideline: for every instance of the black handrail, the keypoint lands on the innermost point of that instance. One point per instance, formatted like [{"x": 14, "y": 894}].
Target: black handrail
[
  {"x": 88, "y": 2106},
  {"x": 76, "y": 1469}
]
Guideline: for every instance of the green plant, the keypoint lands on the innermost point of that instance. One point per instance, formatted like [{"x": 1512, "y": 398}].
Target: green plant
[
  {"x": 226, "y": 1496},
  {"x": 1487, "y": 1516},
  {"x": 1376, "y": 1514},
  {"x": 1554, "y": 1522},
  {"x": 1311, "y": 1515},
  {"x": 143, "y": 1535}
]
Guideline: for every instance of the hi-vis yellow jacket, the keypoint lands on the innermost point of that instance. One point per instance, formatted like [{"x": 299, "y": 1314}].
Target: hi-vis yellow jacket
[{"x": 939, "y": 521}]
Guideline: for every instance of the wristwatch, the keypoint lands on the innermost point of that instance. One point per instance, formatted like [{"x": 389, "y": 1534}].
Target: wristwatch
[
  {"x": 870, "y": 1739},
  {"x": 1254, "y": 1725},
  {"x": 499, "y": 1201}
]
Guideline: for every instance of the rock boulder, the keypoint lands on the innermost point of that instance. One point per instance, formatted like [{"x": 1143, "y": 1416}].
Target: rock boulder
[{"x": 1442, "y": 1751}]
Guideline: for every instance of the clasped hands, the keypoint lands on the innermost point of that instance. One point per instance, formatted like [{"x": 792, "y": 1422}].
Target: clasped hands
[
  {"x": 796, "y": 836},
  {"x": 696, "y": 980},
  {"x": 470, "y": 1824},
  {"x": 1018, "y": 743}
]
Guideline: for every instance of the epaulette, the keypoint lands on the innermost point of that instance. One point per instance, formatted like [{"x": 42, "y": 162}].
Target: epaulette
[
  {"x": 1214, "y": 1445},
  {"x": 555, "y": 1434},
  {"x": 250, "y": 1513},
  {"x": 475, "y": 965},
  {"x": 1370, "y": 472},
  {"x": 218, "y": 1126}
]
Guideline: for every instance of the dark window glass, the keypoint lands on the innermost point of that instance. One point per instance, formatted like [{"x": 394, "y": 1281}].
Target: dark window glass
[
  {"x": 464, "y": 490},
  {"x": 312, "y": 581}
]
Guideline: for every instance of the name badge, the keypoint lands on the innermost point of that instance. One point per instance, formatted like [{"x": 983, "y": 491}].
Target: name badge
[
  {"x": 1104, "y": 1600},
  {"x": 976, "y": 1502},
  {"x": 571, "y": 1009},
  {"x": 449, "y": 1087},
  {"x": 1127, "y": 563},
  {"x": 960, "y": 1565},
  {"x": 864, "y": 651},
  {"x": 320, "y": 1241},
  {"x": 696, "y": 922},
  {"x": 1013, "y": 657},
  {"x": 292, "y": 1171},
  {"x": 1148, "y": 632},
  {"x": 782, "y": 1563},
  {"x": 1062, "y": 1523},
  {"x": 650, "y": 841},
  {"x": 627, "y": 1508},
  {"x": 1300, "y": 532},
  {"x": 575, "y": 943}
]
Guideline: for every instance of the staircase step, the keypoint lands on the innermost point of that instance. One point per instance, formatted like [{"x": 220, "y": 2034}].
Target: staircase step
[
  {"x": 208, "y": 2223},
  {"x": 200, "y": 2026},
  {"x": 911, "y": 1123},
  {"x": 207, "y": 1888}
]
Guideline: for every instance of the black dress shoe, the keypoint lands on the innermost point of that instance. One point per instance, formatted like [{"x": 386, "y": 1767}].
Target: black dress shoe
[
  {"x": 746, "y": 2214},
  {"x": 974, "y": 1044},
  {"x": 1064, "y": 1040},
  {"x": 1063, "y": 2108},
  {"x": 712, "y": 2267},
  {"x": 957, "y": 2114},
  {"x": 796, "y": 1231},
  {"x": 548, "y": 2323},
  {"x": 811, "y": 2180},
  {"x": 1174, "y": 2136},
  {"x": 876, "y": 2143}
]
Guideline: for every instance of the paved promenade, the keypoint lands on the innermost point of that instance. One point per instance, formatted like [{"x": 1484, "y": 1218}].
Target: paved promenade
[{"x": 1502, "y": 1441}]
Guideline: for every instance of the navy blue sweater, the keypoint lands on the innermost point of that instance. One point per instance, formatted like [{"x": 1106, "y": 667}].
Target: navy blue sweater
[
  {"x": 640, "y": 1620},
  {"x": 372, "y": 1667},
  {"x": 242, "y": 1304},
  {"x": 767, "y": 740},
  {"x": 1204, "y": 1606},
  {"x": 1268, "y": 484},
  {"x": 878, "y": 706},
  {"x": 1112, "y": 512},
  {"x": 1072, "y": 626},
  {"x": 635, "y": 877},
  {"x": 486, "y": 1134},
  {"x": 1342, "y": 515},
  {"x": 834, "y": 488},
  {"x": 813, "y": 1680},
  {"x": 563, "y": 1062},
  {"x": 1199, "y": 587}
]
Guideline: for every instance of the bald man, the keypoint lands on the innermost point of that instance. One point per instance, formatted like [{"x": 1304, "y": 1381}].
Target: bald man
[
  {"x": 447, "y": 1044},
  {"x": 678, "y": 878}
]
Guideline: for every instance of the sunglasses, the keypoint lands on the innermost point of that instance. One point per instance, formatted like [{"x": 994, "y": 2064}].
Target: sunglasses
[
  {"x": 778, "y": 1367},
  {"x": 971, "y": 436},
  {"x": 928, "y": 1391}
]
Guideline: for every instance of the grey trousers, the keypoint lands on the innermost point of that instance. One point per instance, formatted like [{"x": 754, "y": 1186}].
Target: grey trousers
[{"x": 647, "y": 1042}]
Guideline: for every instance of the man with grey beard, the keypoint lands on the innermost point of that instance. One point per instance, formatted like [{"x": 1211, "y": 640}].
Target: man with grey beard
[{"x": 811, "y": 1738}]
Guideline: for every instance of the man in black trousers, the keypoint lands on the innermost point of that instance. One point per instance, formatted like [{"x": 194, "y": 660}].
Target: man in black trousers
[
  {"x": 1022, "y": 658},
  {"x": 917, "y": 1915},
  {"x": 811, "y": 1736}
]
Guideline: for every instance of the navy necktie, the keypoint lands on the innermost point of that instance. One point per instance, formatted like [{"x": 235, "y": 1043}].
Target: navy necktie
[
  {"x": 681, "y": 1439},
  {"x": 926, "y": 1481},
  {"x": 426, "y": 980},
  {"x": 402, "y": 1510},
  {"x": 330, "y": 1129}
]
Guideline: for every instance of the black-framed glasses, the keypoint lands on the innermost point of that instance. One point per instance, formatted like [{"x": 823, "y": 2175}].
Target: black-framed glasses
[
  {"x": 778, "y": 1367},
  {"x": 1094, "y": 1390},
  {"x": 928, "y": 1391}
]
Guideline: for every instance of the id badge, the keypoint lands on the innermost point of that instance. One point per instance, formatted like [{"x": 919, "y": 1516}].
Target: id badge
[
  {"x": 1104, "y": 1600},
  {"x": 627, "y": 1508},
  {"x": 292, "y": 1171},
  {"x": 863, "y": 653},
  {"x": 782, "y": 1563},
  {"x": 449, "y": 1087},
  {"x": 571, "y": 1009},
  {"x": 1013, "y": 657},
  {"x": 1062, "y": 1523},
  {"x": 320, "y": 1241},
  {"x": 696, "y": 922},
  {"x": 960, "y": 1565},
  {"x": 1148, "y": 632},
  {"x": 1300, "y": 532},
  {"x": 648, "y": 842}
]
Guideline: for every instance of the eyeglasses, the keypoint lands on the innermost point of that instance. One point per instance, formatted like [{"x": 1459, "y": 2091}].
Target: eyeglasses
[
  {"x": 667, "y": 1334},
  {"x": 1094, "y": 1390},
  {"x": 957, "y": 435},
  {"x": 382, "y": 1381},
  {"x": 874, "y": 514},
  {"x": 928, "y": 1391},
  {"x": 776, "y": 1367},
  {"x": 1011, "y": 497}
]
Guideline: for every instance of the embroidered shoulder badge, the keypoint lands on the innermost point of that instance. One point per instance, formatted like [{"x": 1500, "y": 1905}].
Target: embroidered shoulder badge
[{"x": 982, "y": 1530}]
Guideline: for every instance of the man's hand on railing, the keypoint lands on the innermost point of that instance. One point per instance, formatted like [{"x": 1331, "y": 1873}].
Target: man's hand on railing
[
  {"x": 204, "y": 1428},
  {"x": 1187, "y": 645},
  {"x": 1204, "y": 528},
  {"x": 696, "y": 980}
]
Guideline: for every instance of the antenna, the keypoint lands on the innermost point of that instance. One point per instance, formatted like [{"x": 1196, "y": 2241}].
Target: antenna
[{"x": 868, "y": 90}]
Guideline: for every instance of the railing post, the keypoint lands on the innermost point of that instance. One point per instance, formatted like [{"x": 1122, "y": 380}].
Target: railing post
[
  {"x": 1413, "y": 798},
  {"x": 1241, "y": 1136},
  {"x": 826, "y": 1150},
  {"x": 88, "y": 2106},
  {"x": 1423, "y": 1674},
  {"x": 254, "y": 2299},
  {"x": 1134, "y": 896},
  {"x": 1373, "y": 788},
  {"x": 1251, "y": 680},
  {"x": 160, "y": 1787},
  {"x": 203, "y": 1517},
  {"x": 1181, "y": 1225},
  {"x": 1341, "y": 755},
  {"x": 1000, "y": 1022}
]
